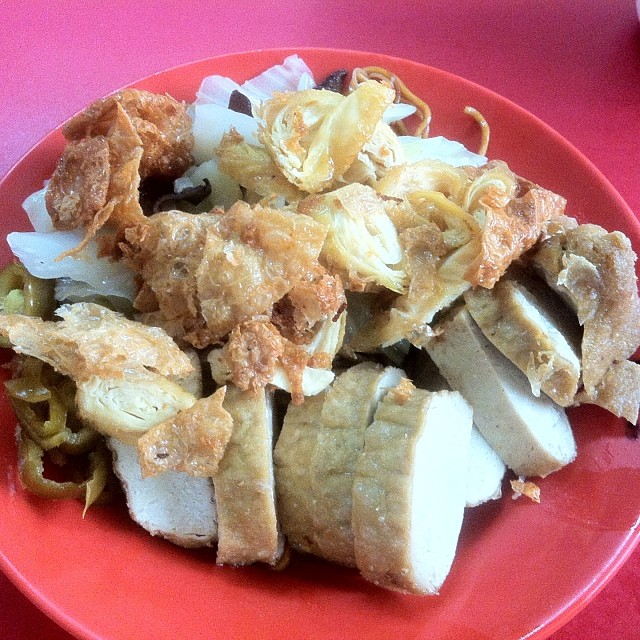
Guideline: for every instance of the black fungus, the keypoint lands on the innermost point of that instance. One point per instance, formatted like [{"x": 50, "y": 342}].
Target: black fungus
[
  {"x": 151, "y": 189},
  {"x": 334, "y": 81},
  {"x": 240, "y": 103}
]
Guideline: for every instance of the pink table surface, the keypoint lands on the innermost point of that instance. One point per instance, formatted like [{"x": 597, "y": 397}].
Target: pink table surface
[{"x": 573, "y": 63}]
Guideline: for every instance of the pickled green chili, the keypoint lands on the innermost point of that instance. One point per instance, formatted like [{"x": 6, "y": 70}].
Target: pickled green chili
[
  {"x": 20, "y": 292},
  {"x": 34, "y": 479},
  {"x": 43, "y": 401}
]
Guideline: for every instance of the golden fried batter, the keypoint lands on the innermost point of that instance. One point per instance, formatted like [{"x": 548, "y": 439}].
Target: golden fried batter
[
  {"x": 193, "y": 441},
  {"x": 80, "y": 183},
  {"x": 91, "y": 340},
  {"x": 162, "y": 123},
  {"x": 251, "y": 259}
]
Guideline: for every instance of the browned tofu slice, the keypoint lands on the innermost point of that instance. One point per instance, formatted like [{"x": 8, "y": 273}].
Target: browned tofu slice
[{"x": 248, "y": 528}]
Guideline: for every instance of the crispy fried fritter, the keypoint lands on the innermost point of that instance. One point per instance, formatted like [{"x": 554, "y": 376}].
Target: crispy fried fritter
[
  {"x": 193, "y": 441},
  {"x": 166, "y": 253},
  {"x": 310, "y": 301},
  {"x": 91, "y": 340},
  {"x": 162, "y": 123},
  {"x": 252, "y": 354},
  {"x": 80, "y": 183},
  {"x": 205, "y": 274},
  {"x": 114, "y": 144},
  {"x": 251, "y": 259},
  {"x": 121, "y": 182}
]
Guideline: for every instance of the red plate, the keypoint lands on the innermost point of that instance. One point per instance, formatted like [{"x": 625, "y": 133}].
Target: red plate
[{"x": 522, "y": 569}]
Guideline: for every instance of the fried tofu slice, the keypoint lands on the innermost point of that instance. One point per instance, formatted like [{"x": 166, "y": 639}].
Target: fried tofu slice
[
  {"x": 594, "y": 271},
  {"x": 485, "y": 472},
  {"x": 486, "y": 469},
  {"x": 248, "y": 529},
  {"x": 410, "y": 489}
]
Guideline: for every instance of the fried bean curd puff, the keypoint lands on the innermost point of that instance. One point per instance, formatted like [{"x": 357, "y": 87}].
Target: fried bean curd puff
[{"x": 112, "y": 146}]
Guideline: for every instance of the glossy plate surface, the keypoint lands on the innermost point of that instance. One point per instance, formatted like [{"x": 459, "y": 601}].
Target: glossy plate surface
[{"x": 522, "y": 569}]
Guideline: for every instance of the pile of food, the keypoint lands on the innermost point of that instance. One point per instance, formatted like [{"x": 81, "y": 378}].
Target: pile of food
[{"x": 285, "y": 322}]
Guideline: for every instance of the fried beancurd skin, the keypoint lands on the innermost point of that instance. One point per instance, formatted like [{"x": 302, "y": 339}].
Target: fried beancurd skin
[
  {"x": 304, "y": 131},
  {"x": 91, "y": 340},
  {"x": 252, "y": 353},
  {"x": 309, "y": 302},
  {"x": 113, "y": 145},
  {"x": 251, "y": 259},
  {"x": 362, "y": 243},
  {"x": 166, "y": 254},
  {"x": 193, "y": 441},
  {"x": 115, "y": 189},
  {"x": 80, "y": 183},
  {"x": 594, "y": 271},
  {"x": 163, "y": 124},
  {"x": 512, "y": 212}
]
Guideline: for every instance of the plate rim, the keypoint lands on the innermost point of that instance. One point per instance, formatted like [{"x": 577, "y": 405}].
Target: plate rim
[{"x": 627, "y": 545}]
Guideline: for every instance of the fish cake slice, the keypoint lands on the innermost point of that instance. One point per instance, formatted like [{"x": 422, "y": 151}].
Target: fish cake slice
[{"x": 409, "y": 492}]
